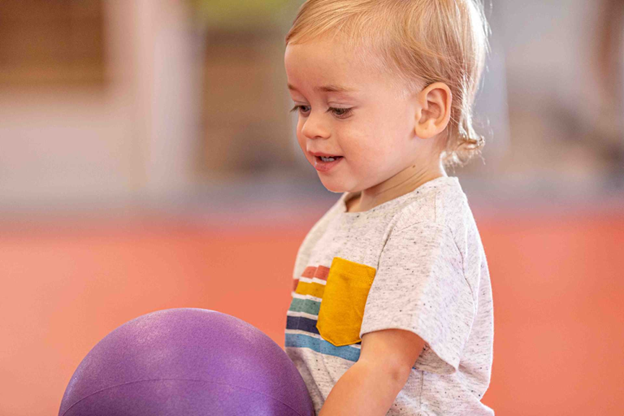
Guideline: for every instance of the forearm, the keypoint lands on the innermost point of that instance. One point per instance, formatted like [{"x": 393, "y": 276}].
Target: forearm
[{"x": 364, "y": 390}]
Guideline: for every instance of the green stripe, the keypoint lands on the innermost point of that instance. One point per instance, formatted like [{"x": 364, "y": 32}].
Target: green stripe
[{"x": 305, "y": 305}]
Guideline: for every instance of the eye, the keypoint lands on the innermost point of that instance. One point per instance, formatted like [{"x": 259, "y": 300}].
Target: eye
[
  {"x": 340, "y": 112},
  {"x": 303, "y": 109}
]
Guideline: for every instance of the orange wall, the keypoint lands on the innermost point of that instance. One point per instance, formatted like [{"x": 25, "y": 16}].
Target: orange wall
[{"x": 557, "y": 280}]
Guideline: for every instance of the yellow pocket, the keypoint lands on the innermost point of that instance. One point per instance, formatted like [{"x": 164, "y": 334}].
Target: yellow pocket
[{"x": 342, "y": 307}]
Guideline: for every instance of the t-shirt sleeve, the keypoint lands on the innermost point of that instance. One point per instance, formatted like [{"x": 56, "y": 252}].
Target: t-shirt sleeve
[{"x": 420, "y": 287}]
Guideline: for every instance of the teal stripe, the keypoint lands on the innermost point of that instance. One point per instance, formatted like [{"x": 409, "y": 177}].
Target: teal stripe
[
  {"x": 322, "y": 346},
  {"x": 305, "y": 305}
]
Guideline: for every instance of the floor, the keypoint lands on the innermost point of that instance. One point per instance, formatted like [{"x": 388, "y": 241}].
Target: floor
[{"x": 557, "y": 275}]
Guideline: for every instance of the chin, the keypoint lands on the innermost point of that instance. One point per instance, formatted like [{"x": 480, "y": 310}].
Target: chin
[
  {"x": 334, "y": 187},
  {"x": 334, "y": 190}
]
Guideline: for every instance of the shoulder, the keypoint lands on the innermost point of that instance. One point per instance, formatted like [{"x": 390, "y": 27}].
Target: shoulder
[
  {"x": 439, "y": 205},
  {"x": 447, "y": 223},
  {"x": 440, "y": 216}
]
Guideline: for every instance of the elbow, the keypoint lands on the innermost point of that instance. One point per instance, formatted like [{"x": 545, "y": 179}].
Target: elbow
[
  {"x": 400, "y": 375},
  {"x": 395, "y": 374}
]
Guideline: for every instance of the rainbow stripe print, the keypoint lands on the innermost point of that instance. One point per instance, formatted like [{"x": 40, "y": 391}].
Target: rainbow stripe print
[{"x": 302, "y": 316}]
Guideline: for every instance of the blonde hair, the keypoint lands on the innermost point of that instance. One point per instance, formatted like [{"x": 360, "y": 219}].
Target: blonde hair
[{"x": 422, "y": 41}]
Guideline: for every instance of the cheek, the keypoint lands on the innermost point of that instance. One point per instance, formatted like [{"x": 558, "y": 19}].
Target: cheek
[
  {"x": 300, "y": 138},
  {"x": 366, "y": 141},
  {"x": 373, "y": 150}
]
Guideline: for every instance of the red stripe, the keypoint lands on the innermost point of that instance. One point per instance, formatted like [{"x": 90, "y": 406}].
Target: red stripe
[
  {"x": 322, "y": 272},
  {"x": 319, "y": 272}
]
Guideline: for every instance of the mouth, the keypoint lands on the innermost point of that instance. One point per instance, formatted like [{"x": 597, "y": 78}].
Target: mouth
[
  {"x": 325, "y": 164},
  {"x": 327, "y": 159}
]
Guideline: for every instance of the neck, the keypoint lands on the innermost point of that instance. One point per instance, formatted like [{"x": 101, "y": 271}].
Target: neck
[{"x": 402, "y": 183}]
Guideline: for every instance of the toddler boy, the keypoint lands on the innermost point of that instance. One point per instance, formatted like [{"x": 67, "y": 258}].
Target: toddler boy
[{"x": 392, "y": 305}]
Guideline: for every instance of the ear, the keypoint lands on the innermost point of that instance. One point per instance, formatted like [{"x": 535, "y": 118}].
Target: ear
[{"x": 434, "y": 110}]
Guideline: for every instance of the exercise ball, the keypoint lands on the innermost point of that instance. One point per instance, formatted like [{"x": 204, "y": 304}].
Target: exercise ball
[{"x": 186, "y": 362}]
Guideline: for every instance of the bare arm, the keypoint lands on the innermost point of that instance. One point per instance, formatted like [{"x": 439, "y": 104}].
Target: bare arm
[{"x": 371, "y": 385}]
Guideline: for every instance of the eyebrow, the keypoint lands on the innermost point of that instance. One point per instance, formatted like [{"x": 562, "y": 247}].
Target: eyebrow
[{"x": 327, "y": 88}]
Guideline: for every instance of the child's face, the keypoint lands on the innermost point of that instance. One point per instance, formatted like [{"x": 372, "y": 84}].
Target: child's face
[{"x": 353, "y": 110}]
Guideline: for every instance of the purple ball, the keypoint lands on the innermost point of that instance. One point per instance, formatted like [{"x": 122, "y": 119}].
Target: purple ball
[{"x": 188, "y": 362}]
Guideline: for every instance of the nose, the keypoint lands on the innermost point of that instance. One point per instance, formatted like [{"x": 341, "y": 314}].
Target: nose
[{"x": 314, "y": 127}]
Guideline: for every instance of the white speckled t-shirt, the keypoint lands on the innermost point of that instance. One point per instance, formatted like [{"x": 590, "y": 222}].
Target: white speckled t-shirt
[{"x": 414, "y": 263}]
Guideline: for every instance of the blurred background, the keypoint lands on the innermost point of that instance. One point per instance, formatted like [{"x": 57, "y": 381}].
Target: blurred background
[{"x": 148, "y": 161}]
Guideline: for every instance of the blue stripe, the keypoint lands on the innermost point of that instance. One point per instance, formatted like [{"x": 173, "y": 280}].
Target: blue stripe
[
  {"x": 302, "y": 324},
  {"x": 322, "y": 346}
]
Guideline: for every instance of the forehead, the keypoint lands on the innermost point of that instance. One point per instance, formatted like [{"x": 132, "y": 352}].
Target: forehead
[{"x": 327, "y": 65}]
